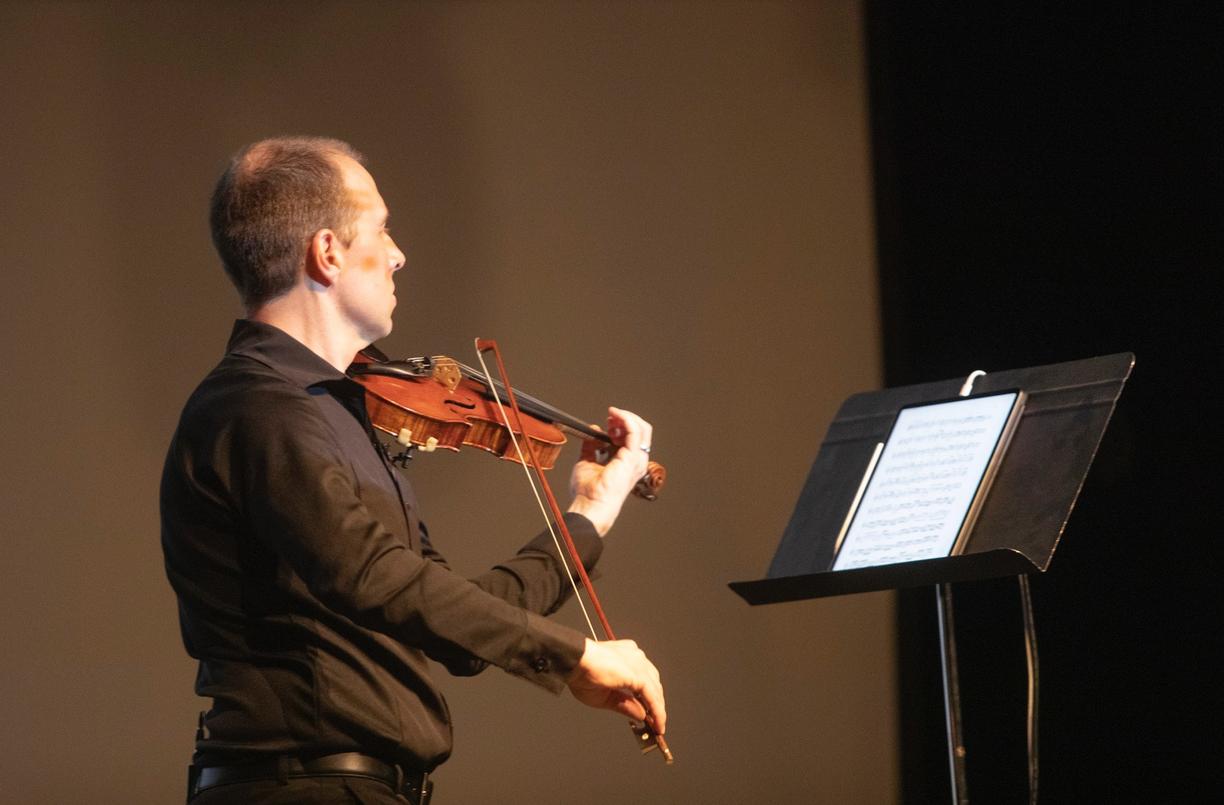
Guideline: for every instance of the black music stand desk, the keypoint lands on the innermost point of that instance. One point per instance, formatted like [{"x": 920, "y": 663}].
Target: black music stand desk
[{"x": 1068, "y": 407}]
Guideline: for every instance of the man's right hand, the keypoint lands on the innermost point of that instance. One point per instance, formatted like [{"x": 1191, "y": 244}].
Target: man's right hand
[{"x": 616, "y": 675}]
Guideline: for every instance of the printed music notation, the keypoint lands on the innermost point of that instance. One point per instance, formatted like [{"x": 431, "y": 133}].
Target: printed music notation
[{"x": 924, "y": 482}]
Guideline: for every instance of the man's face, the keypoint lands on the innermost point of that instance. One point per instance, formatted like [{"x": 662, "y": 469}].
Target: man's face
[{"x": 365, "y": 288}]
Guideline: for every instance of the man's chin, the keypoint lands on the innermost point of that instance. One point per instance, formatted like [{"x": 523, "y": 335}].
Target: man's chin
[{"x": 374, "y": 332}]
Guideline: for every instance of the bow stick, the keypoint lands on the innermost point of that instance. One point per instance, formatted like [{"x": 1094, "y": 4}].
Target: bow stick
[{"x": 647, "y": 738}]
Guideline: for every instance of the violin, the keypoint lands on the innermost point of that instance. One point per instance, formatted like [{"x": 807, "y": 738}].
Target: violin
[
  {"x": 427, "y": 403},
  {"x": 437, "y": 402}
]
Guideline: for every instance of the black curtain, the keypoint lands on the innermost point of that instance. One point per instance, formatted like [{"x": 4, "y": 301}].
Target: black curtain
[{"x": 1046, "y": 190}]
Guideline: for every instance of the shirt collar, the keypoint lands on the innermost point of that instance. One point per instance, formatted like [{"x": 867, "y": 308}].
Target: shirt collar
[{"x": 277, "y": 349}]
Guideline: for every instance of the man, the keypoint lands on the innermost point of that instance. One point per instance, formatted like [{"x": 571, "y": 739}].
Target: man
[{"x": 308, "y": 589}]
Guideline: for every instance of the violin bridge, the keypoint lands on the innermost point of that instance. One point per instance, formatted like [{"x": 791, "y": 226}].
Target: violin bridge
[
  {"x": 648, "y": 741},
  {"x": 447, "y": 372}
]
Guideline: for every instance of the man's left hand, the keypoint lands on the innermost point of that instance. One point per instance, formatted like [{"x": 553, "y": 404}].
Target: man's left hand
[{"x": 600, "y": 490}]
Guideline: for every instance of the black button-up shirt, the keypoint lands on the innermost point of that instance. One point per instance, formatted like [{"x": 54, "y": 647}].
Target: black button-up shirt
[{"x": 307, "y": 587}]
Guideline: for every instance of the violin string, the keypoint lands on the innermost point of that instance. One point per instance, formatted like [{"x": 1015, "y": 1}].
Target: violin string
[
  {"x": 494, "y": 389},
  {"x": 539, "y": 501}
]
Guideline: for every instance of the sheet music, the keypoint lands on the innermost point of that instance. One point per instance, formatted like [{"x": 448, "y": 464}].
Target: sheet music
[{"x": 925, "y": 481}]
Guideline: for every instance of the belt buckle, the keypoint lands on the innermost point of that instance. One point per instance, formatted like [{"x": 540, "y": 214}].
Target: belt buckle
[
  {"x": 407, "y": 786},
  {"x": 193, "y": 779},
  {"x": 417, "y": 789}
]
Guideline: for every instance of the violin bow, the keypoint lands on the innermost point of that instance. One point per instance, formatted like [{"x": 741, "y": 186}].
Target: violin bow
[{"x": 647, "y": 738}]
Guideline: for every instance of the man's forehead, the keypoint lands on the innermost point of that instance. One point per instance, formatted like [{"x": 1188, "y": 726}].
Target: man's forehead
[{"x": 359, "y": 182}]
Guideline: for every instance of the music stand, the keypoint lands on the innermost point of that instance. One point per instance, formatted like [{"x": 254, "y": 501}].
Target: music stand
[{"x": 1019, "y": 526}]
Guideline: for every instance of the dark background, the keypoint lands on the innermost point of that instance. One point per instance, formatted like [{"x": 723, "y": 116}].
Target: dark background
[{"x": 1046, "y": 188}]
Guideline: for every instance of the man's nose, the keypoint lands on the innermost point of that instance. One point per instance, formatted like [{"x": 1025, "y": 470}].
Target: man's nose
[{"x": 396, "y": 257}]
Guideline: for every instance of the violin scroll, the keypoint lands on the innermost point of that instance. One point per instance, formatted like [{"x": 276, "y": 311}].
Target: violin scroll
[{"x": 601, "y": 452}]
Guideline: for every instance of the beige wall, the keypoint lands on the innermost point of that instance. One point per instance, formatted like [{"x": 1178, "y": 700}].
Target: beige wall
[{"x": 663, "y": 206}]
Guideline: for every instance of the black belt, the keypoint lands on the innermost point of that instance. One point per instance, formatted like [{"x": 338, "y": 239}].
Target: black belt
[{"x": 416, "y": 786}]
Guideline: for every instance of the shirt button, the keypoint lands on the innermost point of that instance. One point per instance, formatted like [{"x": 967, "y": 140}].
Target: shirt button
[{"x": 541, "y": 664}]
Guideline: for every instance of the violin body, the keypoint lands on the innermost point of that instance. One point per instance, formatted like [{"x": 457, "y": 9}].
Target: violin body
[
  {"x": 440, "y": 408},
  {"x": 431, "y": 403}
]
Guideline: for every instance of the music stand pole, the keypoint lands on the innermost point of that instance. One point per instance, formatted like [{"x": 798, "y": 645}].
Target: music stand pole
[{"x": 951, "y": 691}]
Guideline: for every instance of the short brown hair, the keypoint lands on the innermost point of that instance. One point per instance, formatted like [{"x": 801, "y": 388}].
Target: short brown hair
[{"x": 274, "y": 196}]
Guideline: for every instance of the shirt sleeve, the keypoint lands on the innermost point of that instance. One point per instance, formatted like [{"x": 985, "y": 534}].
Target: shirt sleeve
[
  {"x": 534, "y": 579},
  {"x": 301, "y": 498}
]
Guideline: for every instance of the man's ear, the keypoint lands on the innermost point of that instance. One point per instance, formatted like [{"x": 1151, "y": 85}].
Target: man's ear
[{"x": 323, "y": 257}]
